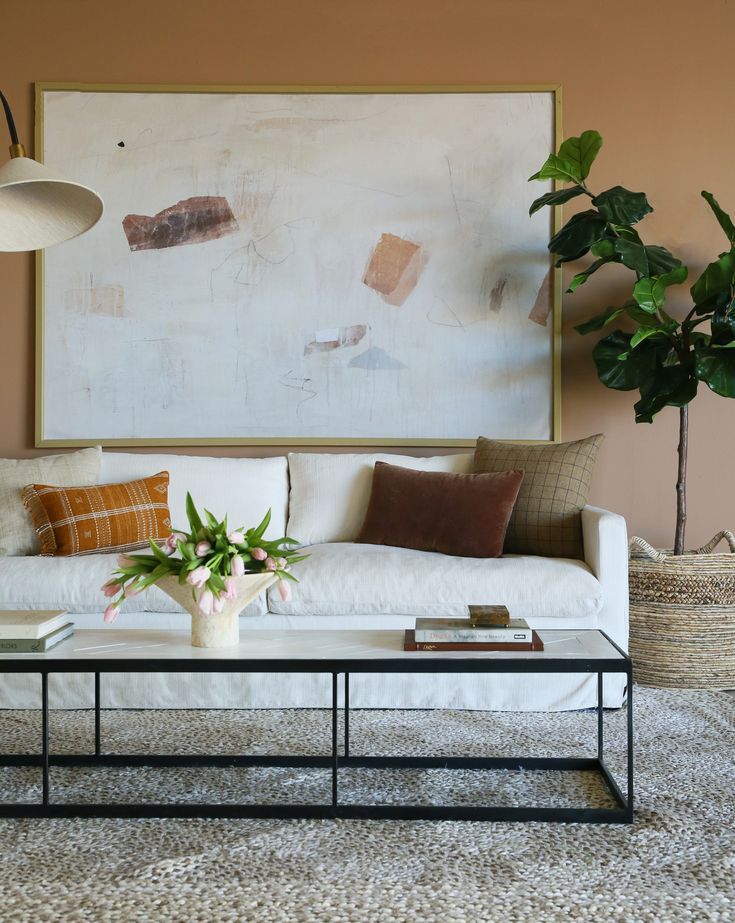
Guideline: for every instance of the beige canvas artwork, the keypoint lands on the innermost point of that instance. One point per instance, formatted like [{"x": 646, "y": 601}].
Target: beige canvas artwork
[{"x": 299, "y": 266}]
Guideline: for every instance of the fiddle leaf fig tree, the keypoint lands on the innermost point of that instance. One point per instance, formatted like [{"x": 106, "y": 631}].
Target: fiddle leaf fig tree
[{"x": 662, "y": 357}]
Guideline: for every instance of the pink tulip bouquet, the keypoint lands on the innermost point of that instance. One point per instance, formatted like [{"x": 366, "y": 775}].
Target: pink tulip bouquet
[{"x": 207, "y": 558}]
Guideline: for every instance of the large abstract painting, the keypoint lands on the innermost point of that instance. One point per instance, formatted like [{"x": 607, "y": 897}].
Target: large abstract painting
[{"x": 289, "y": 267}]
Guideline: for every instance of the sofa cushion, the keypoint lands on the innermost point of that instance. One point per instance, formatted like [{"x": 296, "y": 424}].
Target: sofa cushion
[
  {"x": 330, "y": 493},
  {"x": 101, "y": 517},
  {"x": 74, "y": 583},
  {"x": 243, "y": 489},
  {"x": 457, "y": 514},
  {"x": 350, "y": 579},
  {"x": 73, "y": 469},
  {"x": 547, "y": 518}
]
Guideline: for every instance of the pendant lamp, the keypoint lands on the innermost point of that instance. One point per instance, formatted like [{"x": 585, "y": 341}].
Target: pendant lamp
[{"x": 37, "y": 207}]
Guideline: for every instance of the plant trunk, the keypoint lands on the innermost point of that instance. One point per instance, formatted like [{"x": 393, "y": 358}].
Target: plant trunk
[{"x": 681, "y": 481}]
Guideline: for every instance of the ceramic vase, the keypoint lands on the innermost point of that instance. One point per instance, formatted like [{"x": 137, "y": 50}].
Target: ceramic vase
[{"x": 220, "y": 629}]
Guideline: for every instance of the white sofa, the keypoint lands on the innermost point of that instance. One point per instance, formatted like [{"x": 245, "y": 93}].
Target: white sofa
[{"x": 320, "y": 499}]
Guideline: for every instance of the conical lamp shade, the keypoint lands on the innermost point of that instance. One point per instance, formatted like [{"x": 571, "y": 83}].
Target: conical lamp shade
[{"x": 39, "y": 208}]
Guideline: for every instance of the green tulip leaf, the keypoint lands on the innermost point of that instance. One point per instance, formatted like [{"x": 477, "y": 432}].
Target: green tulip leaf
[
  {"x": 195, "y": 522},
  {"x": 621, "y": 206},
  {"x": 558, "y": 197}
]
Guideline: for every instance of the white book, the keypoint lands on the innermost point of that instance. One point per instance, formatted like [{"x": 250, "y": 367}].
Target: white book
[
  {"x": 23, "y": 624},
  {"x": 436, "y": 631}
]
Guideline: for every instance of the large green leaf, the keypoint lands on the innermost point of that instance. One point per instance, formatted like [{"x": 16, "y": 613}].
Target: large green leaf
[
  {"x": 604, "y": 248},
  {"x": 627, "y": 373},
  {"x": 722, "y": 216},
  {"x": 599, "y": 320},
  {"x": 667, "y": 386},
  {"x": 650, "y": 291},
  {"x": 715, "y": 365},
  {"x": 558, "y": 197},
  {"x": 638, "y": 314},
  {"x": 581, "y": 151},
  {"x": 621, "y": 206},
  {"x": 649, "y": 294},
  {"x": 661, "y": 261},
  {"x": 646, "y": 260},
  {"x": 557, "y": 167},
  {"x": 714, "y": 288},
  {"x": 577, "y": 235},
  {"x": 582, "y": 277}
]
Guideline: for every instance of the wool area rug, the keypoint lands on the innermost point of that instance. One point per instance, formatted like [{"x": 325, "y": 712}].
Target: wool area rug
[{"x": 676, "y": 863}]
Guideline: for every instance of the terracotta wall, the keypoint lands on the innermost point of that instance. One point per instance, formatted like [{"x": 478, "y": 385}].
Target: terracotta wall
[{"x": 652, "y": 77}]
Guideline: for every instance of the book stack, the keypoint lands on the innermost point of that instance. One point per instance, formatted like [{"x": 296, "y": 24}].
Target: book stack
[
  {"x": 488, "y": 628},
  {"x": 33, "y": 632}
]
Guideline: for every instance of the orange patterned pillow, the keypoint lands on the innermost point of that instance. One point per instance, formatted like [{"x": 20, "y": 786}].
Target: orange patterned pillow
[{"x": 105, "y": 517}]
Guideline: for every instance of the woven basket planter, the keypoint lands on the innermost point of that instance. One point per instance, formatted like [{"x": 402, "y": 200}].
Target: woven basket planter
[{"x": 682, "y": 616}]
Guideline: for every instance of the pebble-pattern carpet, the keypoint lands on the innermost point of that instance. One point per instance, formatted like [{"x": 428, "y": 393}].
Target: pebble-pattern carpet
[{"x": 676, "y": 863}]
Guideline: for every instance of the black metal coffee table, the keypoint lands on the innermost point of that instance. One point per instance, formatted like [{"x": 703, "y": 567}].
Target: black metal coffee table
[{"x": 339, "y": 654}]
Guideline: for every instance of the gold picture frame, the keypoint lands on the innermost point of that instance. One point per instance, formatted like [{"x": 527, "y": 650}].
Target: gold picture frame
[{"x": 41, "y": 441}]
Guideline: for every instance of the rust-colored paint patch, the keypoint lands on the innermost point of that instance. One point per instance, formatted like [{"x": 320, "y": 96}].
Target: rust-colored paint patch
[
  {"x": 191, "y": 221},
  {"x": 105, "y": 300},
  {"x": 496, "y": 294},
  {"x": 340, "y": 337},
  {"x": 544, "y": 302},
  {"x": 394, "y": 268}
]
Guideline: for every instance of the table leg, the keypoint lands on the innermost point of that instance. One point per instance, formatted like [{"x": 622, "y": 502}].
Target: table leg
[
  {"x": 44, "y": 737},
  {"x": 347, "y": 714},
  {"x": 335, "y": 757},
  {"x": 630, "y": 744},
  {"x": 97, "y": 721},
  {"x": 599, "y": 716}
]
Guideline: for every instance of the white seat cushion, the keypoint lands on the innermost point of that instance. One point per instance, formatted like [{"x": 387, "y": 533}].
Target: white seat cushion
[
  {"x": 243, "y": 489},
  {"x": 74, "y": 583},
  {"x": 330, "y": 493},
  {"x": 350, "y": 579}
]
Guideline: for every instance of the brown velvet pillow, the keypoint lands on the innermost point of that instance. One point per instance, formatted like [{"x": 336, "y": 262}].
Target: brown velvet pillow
[{"x": 459, "y": 514}]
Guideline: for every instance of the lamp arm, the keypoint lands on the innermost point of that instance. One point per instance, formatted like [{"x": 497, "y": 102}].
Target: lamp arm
[
  {"x": 16, "y": 148},
  {"x": 9, "y": 117}
]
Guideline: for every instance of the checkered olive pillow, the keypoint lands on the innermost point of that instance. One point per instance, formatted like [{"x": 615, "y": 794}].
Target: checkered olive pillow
[{"x": 546, "y": 518}]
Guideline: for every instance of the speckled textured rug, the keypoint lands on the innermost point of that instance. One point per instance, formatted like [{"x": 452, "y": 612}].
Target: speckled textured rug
[{"x": 676, "y": 863}]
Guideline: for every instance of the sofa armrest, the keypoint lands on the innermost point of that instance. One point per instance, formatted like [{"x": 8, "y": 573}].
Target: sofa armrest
[{"x": 605, "y": 538}]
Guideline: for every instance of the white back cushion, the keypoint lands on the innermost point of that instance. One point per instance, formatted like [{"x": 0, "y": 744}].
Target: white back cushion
[
  {"x": 75, "y": 469},
  {"x": 243, "y": 489},
  {"x": 330, "y": 493}
]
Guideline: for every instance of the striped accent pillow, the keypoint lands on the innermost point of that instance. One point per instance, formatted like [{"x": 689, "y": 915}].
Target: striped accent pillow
[{"x": 105, "y": 517}]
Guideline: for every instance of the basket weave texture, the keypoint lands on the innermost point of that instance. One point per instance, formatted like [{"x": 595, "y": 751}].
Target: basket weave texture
[{"x": 682, "y": 616}]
